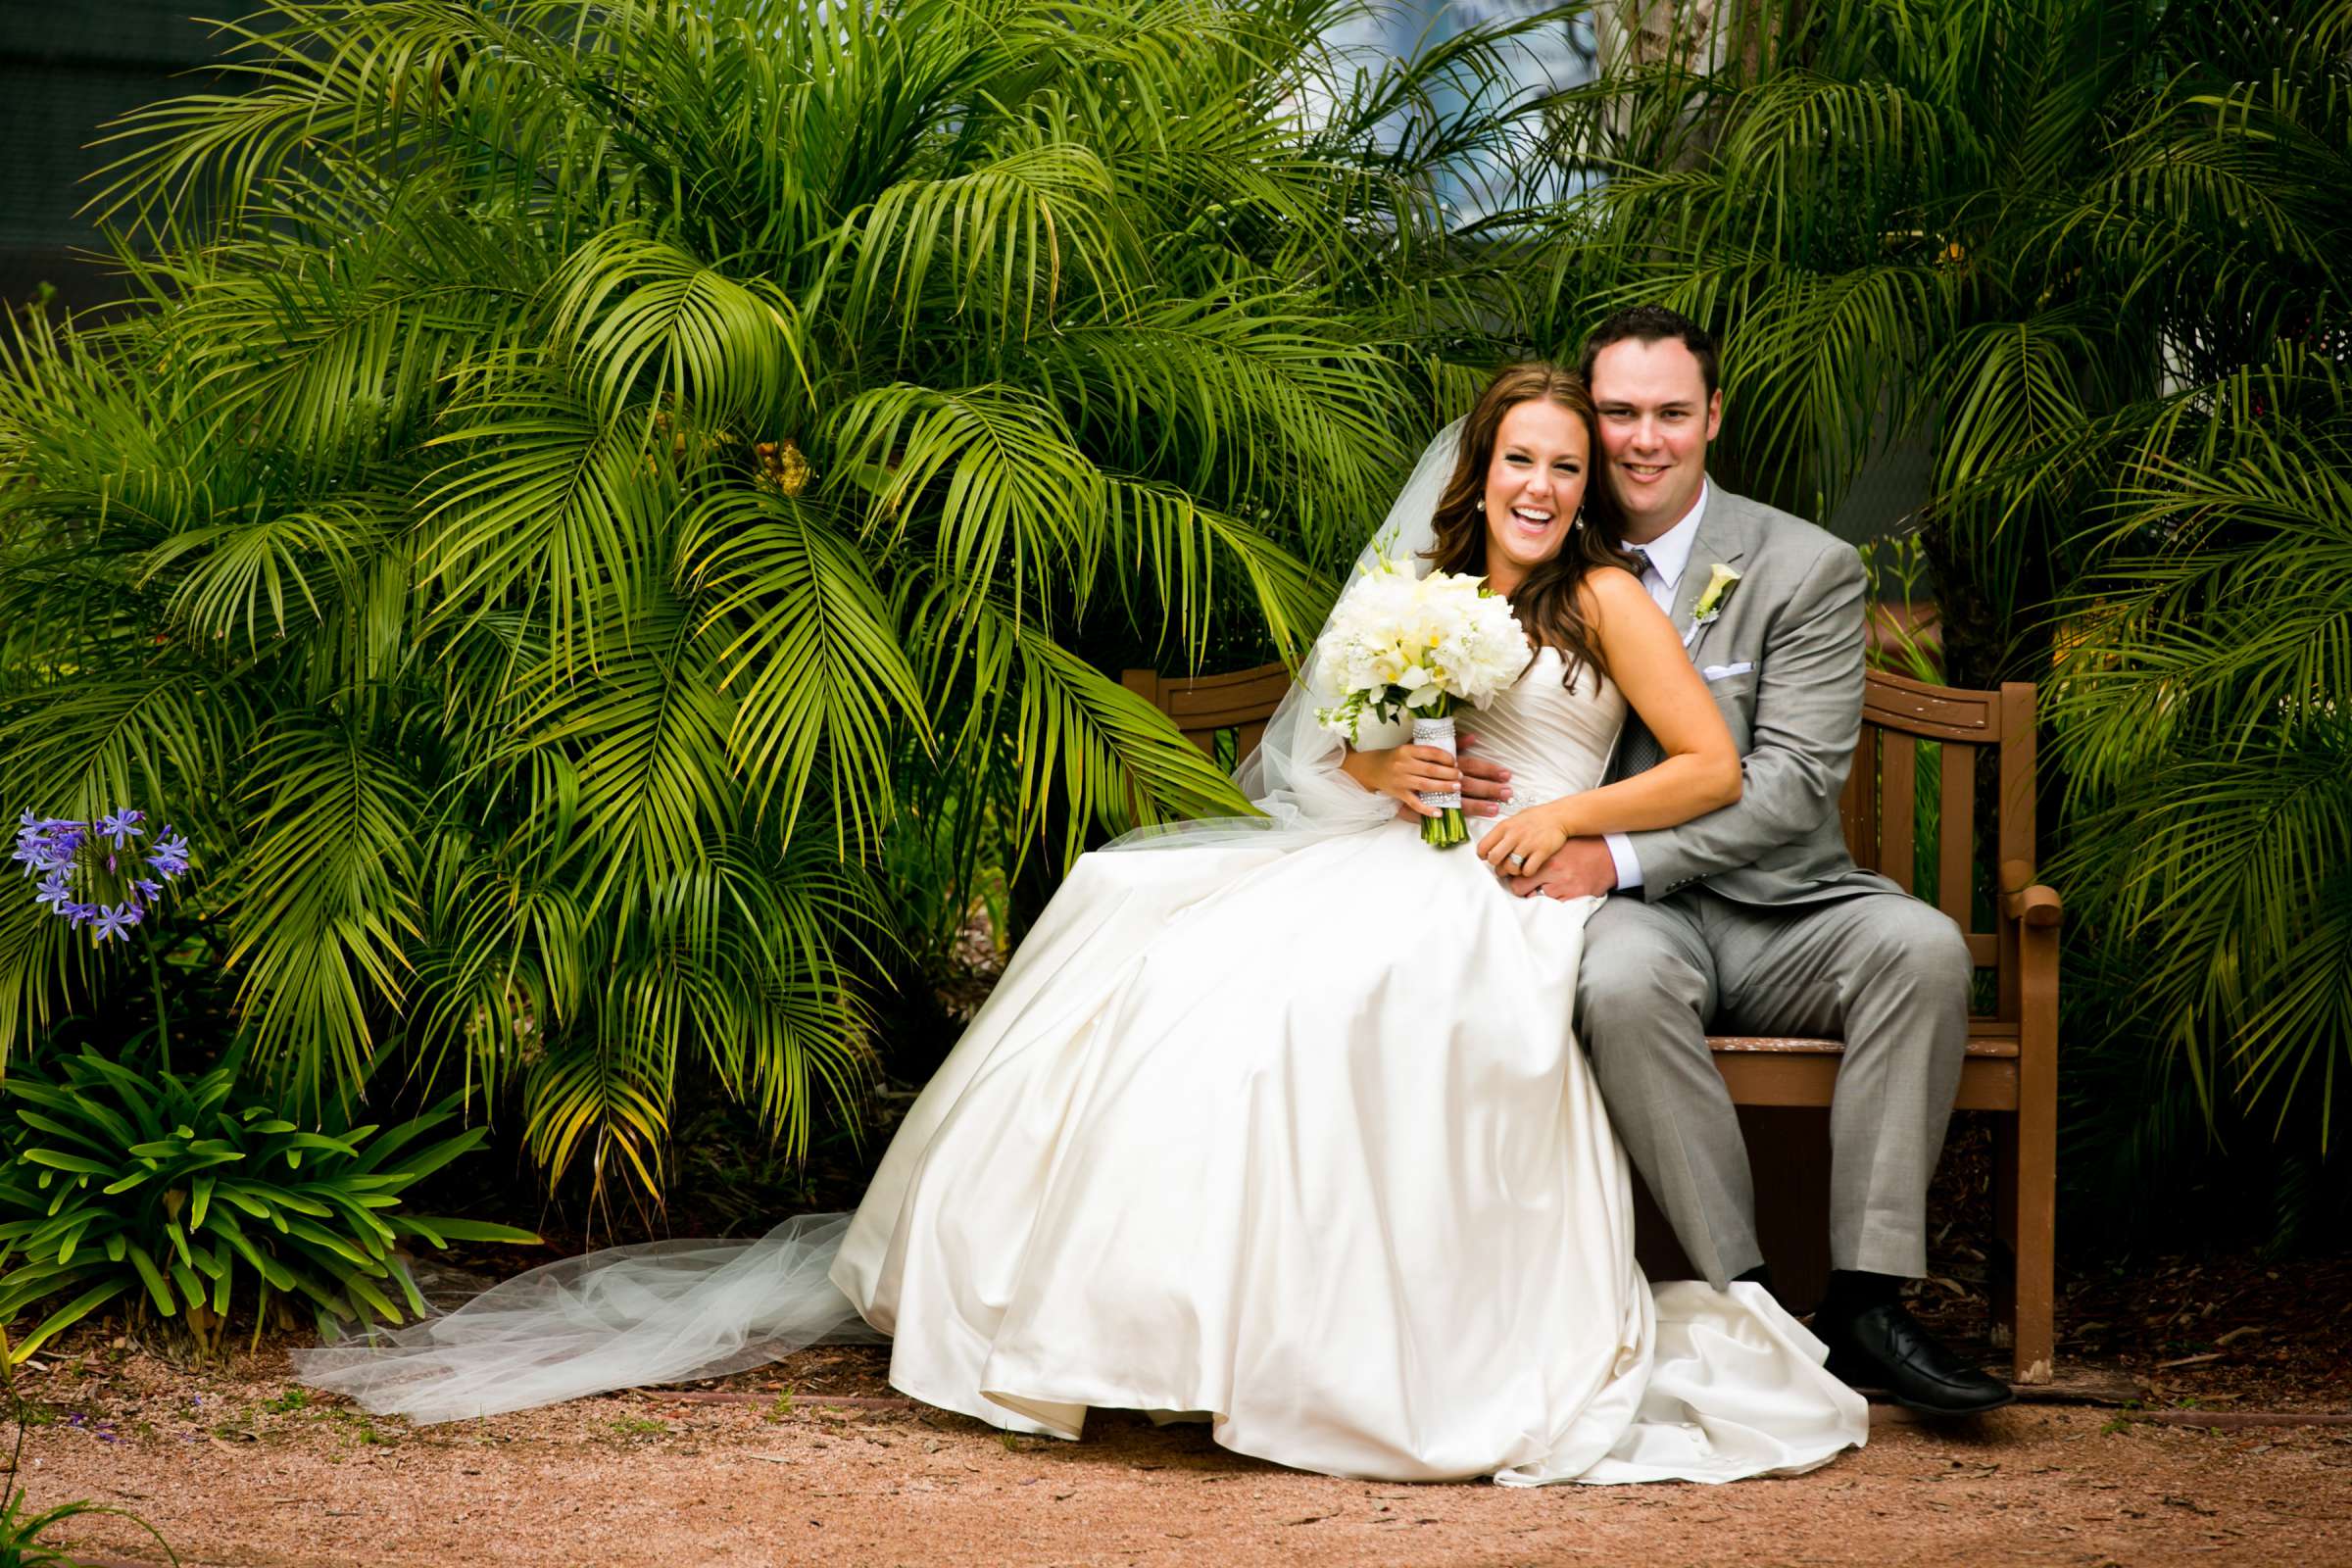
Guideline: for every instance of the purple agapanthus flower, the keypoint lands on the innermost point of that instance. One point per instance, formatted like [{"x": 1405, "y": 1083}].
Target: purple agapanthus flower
[
  {"x": 88, "y": 878},
  {"x": 171, "y": 854}
]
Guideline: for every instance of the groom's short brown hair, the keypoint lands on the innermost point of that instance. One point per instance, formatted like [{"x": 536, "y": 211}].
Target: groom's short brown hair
[{"x": 1651, "y": 323}]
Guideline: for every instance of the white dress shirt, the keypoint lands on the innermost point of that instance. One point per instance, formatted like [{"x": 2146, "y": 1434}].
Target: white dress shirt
[{"x": 1669, "y": 554}]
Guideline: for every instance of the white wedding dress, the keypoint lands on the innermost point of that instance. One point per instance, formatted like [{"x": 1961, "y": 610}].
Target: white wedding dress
[
  {"x": 1303, "y": 1140},
  {"x": 1282, "y": 1124}
]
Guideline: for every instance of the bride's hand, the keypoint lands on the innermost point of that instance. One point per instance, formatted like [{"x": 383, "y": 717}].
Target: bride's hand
[
  {"x": 1518, "y": 846},
  {"x": 1402, "y": 772}
]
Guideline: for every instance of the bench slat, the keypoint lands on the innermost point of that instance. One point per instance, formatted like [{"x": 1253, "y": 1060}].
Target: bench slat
[
  {"x": 1936, "y": 713},
  {"x": 1987, "y": 1036},
  {"x": 1859, "y": 805},
  {"x": 1809, "y": 1078},
  {"x": 2014, "y": 807},
  {"x": 1994, "y": 1043},
  {"x": 1898, "y": 807},
  {"x": 1206, "y": 715},
  {"x": 1956, "y": 831}
]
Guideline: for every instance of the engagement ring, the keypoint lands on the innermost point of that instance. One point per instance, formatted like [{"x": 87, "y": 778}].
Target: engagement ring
[{"x": 1518, "y": 861}]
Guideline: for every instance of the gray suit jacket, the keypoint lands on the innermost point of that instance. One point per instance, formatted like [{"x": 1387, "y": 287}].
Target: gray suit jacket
[{"x": 1783, "y": 661}]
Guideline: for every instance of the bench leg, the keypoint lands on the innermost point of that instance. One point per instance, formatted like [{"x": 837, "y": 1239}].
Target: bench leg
[
  {"x": 2028, "y": 1162},
  {"x": 2023, "y": 1268},
  {"x": 2001, "y": 1289}
]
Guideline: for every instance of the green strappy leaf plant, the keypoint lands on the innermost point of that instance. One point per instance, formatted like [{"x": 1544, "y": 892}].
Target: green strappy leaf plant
[{"x": 129, "y": 1186}]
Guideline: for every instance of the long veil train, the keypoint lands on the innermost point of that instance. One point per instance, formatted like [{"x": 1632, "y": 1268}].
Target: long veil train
[
  {"x": 679, "y": 1311},
  {"x": 623, "y": 1317}
]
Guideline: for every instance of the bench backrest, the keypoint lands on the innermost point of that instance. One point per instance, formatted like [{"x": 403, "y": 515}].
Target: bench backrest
[
  {"x": 1910, "y": 809},
  {"x": 1926, "y": 756}
]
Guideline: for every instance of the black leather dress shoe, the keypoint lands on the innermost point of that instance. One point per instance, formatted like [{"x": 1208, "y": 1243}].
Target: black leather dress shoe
[{"x": 1884, "y": 1347}]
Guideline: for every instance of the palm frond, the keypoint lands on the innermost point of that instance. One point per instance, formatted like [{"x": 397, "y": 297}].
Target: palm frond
[
  {"x": 1088, "y": 752},
  {"x": 811, "y": 661},
  {"x": 641, "y": 317},
  {"x": 325, "y": 900}
]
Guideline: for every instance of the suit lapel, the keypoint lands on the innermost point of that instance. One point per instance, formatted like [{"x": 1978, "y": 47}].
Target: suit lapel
[{"x": 1725, "y": 536}]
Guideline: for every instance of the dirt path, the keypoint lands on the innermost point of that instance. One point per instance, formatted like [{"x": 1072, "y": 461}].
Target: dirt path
[{"x": 238, "y": 1467}]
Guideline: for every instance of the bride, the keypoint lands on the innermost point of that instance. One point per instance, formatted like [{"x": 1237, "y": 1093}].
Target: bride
[{"x": 1279, "y": 1123}]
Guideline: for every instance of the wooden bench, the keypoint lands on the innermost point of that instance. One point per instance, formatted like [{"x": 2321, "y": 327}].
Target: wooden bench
[{"x": 1783, "y": 1086}]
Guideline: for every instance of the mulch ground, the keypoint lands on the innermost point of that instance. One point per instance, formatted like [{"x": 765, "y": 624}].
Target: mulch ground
[
  {"x": 815, "y": 1459},
  {"x": 236, "y": 1465},
  {"x": 2176, "y": 1369}
]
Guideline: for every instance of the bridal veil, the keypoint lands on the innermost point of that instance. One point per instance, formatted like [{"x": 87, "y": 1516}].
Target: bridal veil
[{"x": 1294, "y": 775}]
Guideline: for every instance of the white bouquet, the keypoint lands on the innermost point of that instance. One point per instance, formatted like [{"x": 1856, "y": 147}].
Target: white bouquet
[{"x": 1424, "y": 646}]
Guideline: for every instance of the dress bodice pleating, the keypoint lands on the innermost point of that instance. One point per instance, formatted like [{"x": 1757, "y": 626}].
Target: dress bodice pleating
[{"x": 1555, "y": 739}]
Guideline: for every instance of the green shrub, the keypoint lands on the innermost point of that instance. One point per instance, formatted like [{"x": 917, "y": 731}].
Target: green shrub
[
  {"x": 572, "y": 478},
  {"x": 2086, "y": 258},
  {"x": 192, "y": 1195}
]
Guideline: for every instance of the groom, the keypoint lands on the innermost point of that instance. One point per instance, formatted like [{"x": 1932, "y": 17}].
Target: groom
[{"x": 1754, "y": 918}]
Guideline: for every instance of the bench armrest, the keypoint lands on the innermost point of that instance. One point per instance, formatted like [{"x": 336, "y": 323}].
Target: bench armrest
[
  {"x": 2027, "y": 902},
  {"x": 2035, "y": 905}
]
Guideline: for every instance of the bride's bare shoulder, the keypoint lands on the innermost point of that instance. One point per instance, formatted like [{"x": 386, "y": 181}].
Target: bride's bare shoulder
[{"x": 1605, "y": 591}]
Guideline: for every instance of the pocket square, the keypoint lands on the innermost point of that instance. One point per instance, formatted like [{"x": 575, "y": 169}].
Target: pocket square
[{"x": 1727, "y": 672}]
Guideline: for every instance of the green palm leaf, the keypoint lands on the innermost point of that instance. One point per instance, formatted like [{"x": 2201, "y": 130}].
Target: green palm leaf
[
  {"x": 642, "y": 315},
  {"x": 325, "y": 906},
  {"x": 809, "y": 658},
  {"x": 1083, "y": 743}
]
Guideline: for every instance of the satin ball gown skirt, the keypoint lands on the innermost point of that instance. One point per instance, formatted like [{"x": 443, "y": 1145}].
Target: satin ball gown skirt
[{"x": 1303, "y": 1141}]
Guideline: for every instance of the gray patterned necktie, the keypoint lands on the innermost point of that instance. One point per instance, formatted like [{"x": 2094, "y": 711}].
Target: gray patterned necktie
[{"x": 1640, "y": 751}]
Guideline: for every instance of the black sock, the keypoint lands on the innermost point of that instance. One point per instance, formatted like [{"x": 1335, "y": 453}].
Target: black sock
[{"x": 1852, "y": 1292}]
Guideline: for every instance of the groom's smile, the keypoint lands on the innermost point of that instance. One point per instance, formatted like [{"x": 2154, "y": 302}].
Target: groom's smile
[{"x": 1657, "y": 416}]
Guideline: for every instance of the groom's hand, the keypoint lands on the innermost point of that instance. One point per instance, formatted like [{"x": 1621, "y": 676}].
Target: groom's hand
[
  {"x": 1578, "y": 868},
  {"x": 1485, "y": 785}
]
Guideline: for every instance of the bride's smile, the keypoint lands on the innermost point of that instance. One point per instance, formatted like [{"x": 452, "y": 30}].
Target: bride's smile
[{"x": 1535, "y": 486}]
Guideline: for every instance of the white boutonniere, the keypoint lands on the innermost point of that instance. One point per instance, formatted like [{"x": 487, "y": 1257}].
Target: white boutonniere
[{"x": 1721, "y": 581}]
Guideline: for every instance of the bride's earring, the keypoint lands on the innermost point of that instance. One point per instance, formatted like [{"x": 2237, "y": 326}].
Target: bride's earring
[{"x": 1481, "y": 503}]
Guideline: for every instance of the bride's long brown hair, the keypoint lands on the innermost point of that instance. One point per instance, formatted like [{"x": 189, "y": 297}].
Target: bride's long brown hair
[{"x": 1546, "y": 601}]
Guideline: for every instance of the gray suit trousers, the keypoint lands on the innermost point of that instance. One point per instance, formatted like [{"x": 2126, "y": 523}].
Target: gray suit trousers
[{"x": 1882, "y": 971}]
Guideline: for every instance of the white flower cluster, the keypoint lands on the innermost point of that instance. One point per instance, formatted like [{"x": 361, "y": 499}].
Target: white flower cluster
[{"x": 1426, "y": 646}]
